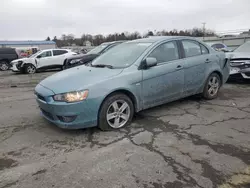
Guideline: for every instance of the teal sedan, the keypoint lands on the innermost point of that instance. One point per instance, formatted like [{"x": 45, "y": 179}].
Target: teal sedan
[{"x": 131, "y": 77}]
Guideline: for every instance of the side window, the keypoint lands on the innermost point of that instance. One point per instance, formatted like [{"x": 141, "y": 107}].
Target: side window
[
  {"x": 165, "y": 52},
  {"x": 45, "y": 54},
  {"x": 204, "y": 50},
  {"x": 191, "y": 48},
  {"x": 59, "y": 52}
]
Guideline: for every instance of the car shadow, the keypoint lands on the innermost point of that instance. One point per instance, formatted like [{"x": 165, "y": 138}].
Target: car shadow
[{"x": 238, "y": 81}]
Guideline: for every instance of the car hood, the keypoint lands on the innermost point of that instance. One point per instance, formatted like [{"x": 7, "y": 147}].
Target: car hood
[
  {"x": 22, "y": 59},
  {"x": 77, "y": 78},
  {"x": 235, "y": 55}
]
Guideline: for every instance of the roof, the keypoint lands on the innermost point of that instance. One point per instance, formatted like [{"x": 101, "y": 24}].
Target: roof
[
  {"x": 114, "y": 42},
  {"x": 28, "y": 42},
  {"x": 153, "y": 39}
]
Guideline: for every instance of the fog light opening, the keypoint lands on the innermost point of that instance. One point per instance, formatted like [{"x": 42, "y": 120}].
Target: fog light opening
[{"x": 67, "y": 119}]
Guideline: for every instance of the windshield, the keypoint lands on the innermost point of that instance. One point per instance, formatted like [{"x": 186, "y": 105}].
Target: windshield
[
  {"x": 35, "y": 54},
  {"x": 122, "y": 55},
  {"x": 243, "y": 48},
  {"x": 98, "y": 49}
]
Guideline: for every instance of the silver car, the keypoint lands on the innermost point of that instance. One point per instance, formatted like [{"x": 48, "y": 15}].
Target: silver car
[{"x": 240, "y": 62}]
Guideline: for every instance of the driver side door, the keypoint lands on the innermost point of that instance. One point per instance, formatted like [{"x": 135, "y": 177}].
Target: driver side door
[
  {"x": 45, "y": 59},
  {"x": 165, "y": 81}
]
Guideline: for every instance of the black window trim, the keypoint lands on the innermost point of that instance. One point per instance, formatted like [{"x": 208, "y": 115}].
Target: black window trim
[
  {"x": 204, "y": 47},
  {"x": 194, "y": 41}
]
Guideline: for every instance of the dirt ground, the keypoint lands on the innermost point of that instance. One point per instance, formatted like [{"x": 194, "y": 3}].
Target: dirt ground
[{"x": 191, "y": 143}]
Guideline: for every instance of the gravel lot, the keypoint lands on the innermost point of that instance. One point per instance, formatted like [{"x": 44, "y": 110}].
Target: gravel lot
[{"x": 188, "y": 143}]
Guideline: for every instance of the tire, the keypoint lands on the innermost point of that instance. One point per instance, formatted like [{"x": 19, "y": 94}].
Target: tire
[
  {"x": 4, "y": 66},
  {"x": 64, "y": 65},
  {"x": 118, "y": 119},
  {"x": 212, "y": 87},
  {"x": 29, "y": 69}
]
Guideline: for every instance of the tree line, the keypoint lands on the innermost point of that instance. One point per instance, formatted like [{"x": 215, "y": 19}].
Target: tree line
[{"x": 95, "y": 40}]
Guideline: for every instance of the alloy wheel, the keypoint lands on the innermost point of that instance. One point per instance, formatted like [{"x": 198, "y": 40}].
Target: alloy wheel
[
  {"x": 118, "y": 114},
  {"x": 31, "y": 69},
  {"x": 213, "y": 86}
]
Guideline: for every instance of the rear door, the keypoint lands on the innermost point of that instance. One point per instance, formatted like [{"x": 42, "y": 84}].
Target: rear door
[
  {"x": 59, "y": 56},
  {"x": 163, "y": 82},
  {"x": 196, "y": 58}
]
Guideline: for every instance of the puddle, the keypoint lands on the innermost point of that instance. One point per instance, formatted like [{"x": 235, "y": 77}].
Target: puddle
[{"x": 7, "y": 163}]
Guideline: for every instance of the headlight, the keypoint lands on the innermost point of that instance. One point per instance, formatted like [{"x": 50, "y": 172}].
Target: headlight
[
  {"x": 75, "y": 61},
  {"x": 74, "y": 96}
]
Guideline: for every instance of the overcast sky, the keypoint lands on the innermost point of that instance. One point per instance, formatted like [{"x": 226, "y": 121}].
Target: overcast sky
[{"x": 37, "y": 19}]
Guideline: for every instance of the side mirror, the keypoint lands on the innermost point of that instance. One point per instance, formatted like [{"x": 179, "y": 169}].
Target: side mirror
[
  {"x": 150, "y": 62},
  {"x": 38, "y": 57}
]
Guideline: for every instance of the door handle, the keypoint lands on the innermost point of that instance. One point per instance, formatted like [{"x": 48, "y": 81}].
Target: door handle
[
  {"x": 207, "y": 61},
  {"x": 179, "y": 67}
]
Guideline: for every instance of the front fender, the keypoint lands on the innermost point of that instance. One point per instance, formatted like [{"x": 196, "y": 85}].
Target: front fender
[
  {"x": 136, "y": 97},
  {"x": 28, "y": 61}
]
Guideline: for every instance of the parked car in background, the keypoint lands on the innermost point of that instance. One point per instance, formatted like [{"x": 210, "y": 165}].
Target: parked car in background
[
  {"x": 6, "y": 56},
  {"x": 240, "y": 62},
  {"x": 42, "y": 60},
  {"x": 89, "y": 56},
  {"x": 131, "y": 77},
  {"x": 218, "y": 46}
]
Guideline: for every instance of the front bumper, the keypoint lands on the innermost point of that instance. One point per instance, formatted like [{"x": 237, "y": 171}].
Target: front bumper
[
  {"x": 16, "y": 67},
  {"x": 240, "y": 67},
  {"x": 84, "y": 113},
  {"x": 237, "y": 72}
]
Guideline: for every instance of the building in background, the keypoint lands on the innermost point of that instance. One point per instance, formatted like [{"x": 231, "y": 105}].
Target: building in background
[
  {"x": 42, "y": 45},
  {"x": 245, "y": 33}
]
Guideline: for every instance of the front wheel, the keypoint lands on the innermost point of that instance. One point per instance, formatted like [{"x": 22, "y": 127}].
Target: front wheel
[
  {"x": 116, "y": 112},
  {"x": 30, "y": 69},
  {"x": 212, "y": 86}
]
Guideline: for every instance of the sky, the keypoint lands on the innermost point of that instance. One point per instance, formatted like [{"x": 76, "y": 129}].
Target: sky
[{"x": 37, "y": 19}]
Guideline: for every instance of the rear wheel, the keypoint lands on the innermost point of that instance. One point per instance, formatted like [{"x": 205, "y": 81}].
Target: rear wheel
[
  {"x": 4, "y": 65},
  {"x": 116, "y": 112},
  {"x": 212, "y": 86},
  {"x": 30, "y": 69}
]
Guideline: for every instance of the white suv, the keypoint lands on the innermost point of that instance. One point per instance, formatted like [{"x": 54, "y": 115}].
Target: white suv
[{"x": 42, "y": 60}]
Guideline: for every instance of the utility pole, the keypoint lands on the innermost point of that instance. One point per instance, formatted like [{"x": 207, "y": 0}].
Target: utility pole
[{"x": 204, "y": 29}]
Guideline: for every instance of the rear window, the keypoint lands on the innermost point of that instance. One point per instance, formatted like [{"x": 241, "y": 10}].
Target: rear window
[{"x": 59, "y": 52}]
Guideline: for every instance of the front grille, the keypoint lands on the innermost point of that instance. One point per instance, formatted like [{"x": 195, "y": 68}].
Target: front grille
[
  {"x": 239, "y": 59},
  {"x": 239, "y": 62},
  {"x": 47, "y": 114}
]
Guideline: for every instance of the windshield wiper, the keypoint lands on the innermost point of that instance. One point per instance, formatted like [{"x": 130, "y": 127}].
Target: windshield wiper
[{"x": 102, "y": 66}]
